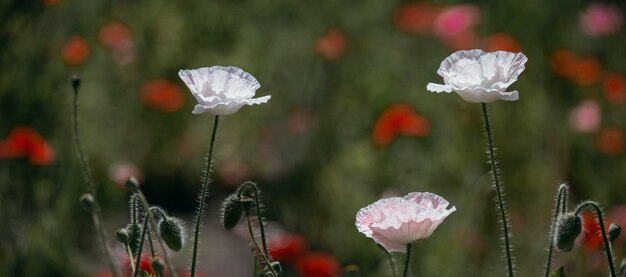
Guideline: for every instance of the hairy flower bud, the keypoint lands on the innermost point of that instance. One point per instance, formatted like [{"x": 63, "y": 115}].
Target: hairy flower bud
[
  {"x": 568, "y": 228},
  {"x": 75, "y": 81},
  {"x": 158, "y": 265},
  {"x": 134, "y": 237},
  {"x": 614, "y": 231},
  {"x": 231, "y": 211},
  {"x": 122, "y": 235},
  {"x": 171, "y": 231},
  {"x": 88, "y": 202},
  {"x": 132, "y": 184}
]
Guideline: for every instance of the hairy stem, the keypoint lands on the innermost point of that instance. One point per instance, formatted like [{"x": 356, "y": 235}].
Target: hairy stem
[
  {"x": 205, "y": 188},
  {"x": 153, "y": 225},
  {"x": 88, "y": 177},
  {"x": 607, "y": 246},
  {"x": 407, "y": 260},
  {"x": 561, "y": 207},
  {"x": 140, "y": 249},
  {"x": 256, "y": 245},
  {"x": 257, "y": 202},
  {"x": 501, "y": 204}
]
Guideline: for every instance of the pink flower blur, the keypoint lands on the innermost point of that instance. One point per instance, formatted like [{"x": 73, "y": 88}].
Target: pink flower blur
[
  {"x": 601, "y": 19},
  {"x": 455, "y": 26},
  {"x": 585, "y": 117},
  {"x": 397, "y": 221}
]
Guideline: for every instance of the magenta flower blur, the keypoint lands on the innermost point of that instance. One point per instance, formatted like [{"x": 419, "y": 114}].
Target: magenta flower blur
[
  {"x": 600, "y": 19},
  {"x": 397, "y": 221}
]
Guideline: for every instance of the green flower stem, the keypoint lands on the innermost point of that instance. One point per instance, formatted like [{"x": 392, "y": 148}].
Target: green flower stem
[
  {"x": 501, "y": 205},
  {"x": 205, "y": 188},
  {"x": 257, "y": 202},
  {"x": 561, "y": 207},
  {"x": 153, "y": 225},
  {"x": 97, "y": 218},
  {"x": 130, "y": 257},
  {"x": 143, "y": 238},
  {"x": 407, "y": 260},
  {"x": 607, "y": 246},
  {"x": 256, "y": 245},
  {"x": 255, "y": 268}
]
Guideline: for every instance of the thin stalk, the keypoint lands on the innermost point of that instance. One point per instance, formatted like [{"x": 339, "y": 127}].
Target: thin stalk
[
  {"x": 205, "y": 188},
  {"x": 560, "y": 208},
  {"x": 143, "y": 238},
  {"x": 153, "y": 225},
  {"x": 97, "y": 218},
  {"x": 130, "y": 257},
  {"x": 607, "y": 246},
  {"x": 407, "y": 260},
  {"x": 255, "y": 268},
  {"x": 392, "y": 264},
  {"x": 256, "y": 245},
  {"x": 259, "y": 215},
  {"x": 500, "y": 197}
]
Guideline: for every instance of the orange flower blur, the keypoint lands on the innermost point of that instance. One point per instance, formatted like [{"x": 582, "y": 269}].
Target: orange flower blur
[
  {"x": 75, "y": 51},
  {"x": 332, "y": 45},
  {"x": 287, "y": 247},
  {"x": 584, "y": 71},
  {"x": 610, "y": 141},
  {"x": 399, "y": 119},
  {"x": 415, "y": 18},
  {"x": 501, "y": 42},
  {"x": 614, "y": 88},
  {"x": 25, "y": 142},
  {"x": 162, "y": 95},
  {"x": 115, "y": 35}
]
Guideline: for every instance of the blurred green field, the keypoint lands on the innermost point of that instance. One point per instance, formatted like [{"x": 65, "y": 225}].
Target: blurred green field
[{"x": 332, "y": 68}]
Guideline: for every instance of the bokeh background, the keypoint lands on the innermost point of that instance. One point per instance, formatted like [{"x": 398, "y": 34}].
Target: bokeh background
[{"x": 349, "y": 122}]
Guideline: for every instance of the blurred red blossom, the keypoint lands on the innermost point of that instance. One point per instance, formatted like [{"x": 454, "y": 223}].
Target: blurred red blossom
[
  {"x": 585, "y": 117},
  {"x": 584, "y": 71},
  {"x": 610, "y": 141},
  {"x": 399, "y": 119},
  {"x": 118, "y": 37},
  {"x": 591, "y": 237},
  {"x": 318, "y": 265},
  {"x": 415, "y": 17},
  {"x": 233, "y": 172},
  {"x": 25, "y": 142},
  {"x": 287, "y": 247},
  {"x": 332, "y": 45},
  {"x": 501, "y": 42},
  {"x": 614, "y": 88},
  {"x": 75, "y": 51},
  {"x": 600, "y": 19},
  {"x": 162, "y": 95}
]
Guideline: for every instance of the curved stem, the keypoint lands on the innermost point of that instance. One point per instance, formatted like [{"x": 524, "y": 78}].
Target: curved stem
[
  {"x": 257, "y": 202},
  {"x": 153, "y": 225},
  {"x": 607, "y": 245},
  {"x": 205, "y": 188},
  {"x": 407, "y": 260},
  {"x": 500, "y": 197},
  {"x": 561, "y": 207},
  {"x": 130, "y": 257},
  {"x": 256, "y": 245},
  {"x": 88, "y": 177}
]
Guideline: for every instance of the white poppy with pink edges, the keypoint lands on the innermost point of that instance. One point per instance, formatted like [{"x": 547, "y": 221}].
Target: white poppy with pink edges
[
  {"x": 480, "y": 77},
  {"x": 221, "y": 90},
  {"x": 395, "y": 222}
]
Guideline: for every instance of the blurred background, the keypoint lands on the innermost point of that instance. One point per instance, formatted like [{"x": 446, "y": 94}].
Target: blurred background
[{"x": 349, "y": 122}]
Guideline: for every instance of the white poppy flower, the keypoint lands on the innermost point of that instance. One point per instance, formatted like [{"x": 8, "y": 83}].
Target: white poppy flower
[
  {"x": 221, "y": 90},
  {"x": 480, "y": 77}
]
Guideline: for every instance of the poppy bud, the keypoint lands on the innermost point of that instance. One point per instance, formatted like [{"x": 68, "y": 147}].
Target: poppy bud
[
  {"x": 231, "y": 211},
  {"x": 614, "y": 232},
  {"x": 158, "y": 265},
  {"x": 75, "y": 81},
  {"x": 171, "y": 231},
  {"x": 134, "y": 237},
  {"x": 88, "y": 202},
  {"x": 568, "y": 228},
  {"x": 122, "y": 235},
  {"x": 132, "y": 184}
]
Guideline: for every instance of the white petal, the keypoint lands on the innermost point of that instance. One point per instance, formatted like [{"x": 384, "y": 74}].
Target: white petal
[
  {"x": 432, "y": 87},
  {"x": 259, "y": 100},
  {"x": 510, "y": 96}
]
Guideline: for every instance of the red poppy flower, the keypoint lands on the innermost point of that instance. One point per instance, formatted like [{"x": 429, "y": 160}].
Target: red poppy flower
[
  {"x": 75, "y": 51},
  {"x": 614, "y": 88},
  {"x": 26, "y": 142},
  {"x": 591, "y": 234},
  {"x": 501, "y": 42},
  {"x": 115, "y": 35},
  {"x": 415, "y": 17},
  {"x": 331, "y": 45},
  {"x": 318, "y": 265},
  {"x": 287, "y": 247},
  {"x": 162, "y": 95},
  {"x": 610, "y": 141},
  {"x": 399, "y": 119}
]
